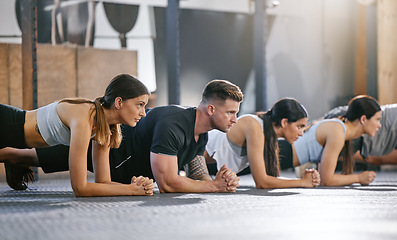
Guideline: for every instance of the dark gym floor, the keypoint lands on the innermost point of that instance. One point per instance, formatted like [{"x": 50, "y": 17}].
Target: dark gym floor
[{"x": 49, "y": 210}]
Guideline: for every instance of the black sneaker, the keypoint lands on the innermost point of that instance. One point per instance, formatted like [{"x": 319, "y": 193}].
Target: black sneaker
[{"x": 18, "y": 176}]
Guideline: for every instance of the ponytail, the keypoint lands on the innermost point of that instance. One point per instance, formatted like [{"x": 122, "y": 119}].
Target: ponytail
[
  {"x": 348, "y": 160},
  {"x": 288, "y": 108},
  {"x": 271, "y": 144},
  {"x": 103, "y": 131},
  {"x": 347, "y": 152}
]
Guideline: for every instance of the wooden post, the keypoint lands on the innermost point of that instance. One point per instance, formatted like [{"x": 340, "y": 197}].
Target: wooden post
[{"x": 387, "y": 51}]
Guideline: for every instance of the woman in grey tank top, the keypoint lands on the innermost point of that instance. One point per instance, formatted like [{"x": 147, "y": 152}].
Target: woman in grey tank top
[
  {"x": 380, "y": 149},
  {"x": 285, "y": 119},
  {"x": 77, "y": 122},
  {"x": 324, "y": 141}
]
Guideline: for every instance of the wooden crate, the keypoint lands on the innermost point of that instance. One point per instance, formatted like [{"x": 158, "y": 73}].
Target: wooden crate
[{"x": 63, "y": 71}]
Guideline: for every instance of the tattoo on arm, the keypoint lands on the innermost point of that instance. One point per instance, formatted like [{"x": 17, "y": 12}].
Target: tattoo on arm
[{"x": 198, "y": 169}]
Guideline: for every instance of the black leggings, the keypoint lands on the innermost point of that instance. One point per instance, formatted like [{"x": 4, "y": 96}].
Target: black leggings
[
  {"x": 56, "y": 158},
  {"x": 12, "y": 133}
]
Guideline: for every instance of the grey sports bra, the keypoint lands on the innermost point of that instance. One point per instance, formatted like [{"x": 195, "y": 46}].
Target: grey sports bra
[
  {"x": 51, "y": 127},
  {"x": 307, "y": 147}
]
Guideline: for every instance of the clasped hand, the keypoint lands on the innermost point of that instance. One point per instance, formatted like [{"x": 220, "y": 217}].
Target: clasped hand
[{"x": 227, "y": 180}]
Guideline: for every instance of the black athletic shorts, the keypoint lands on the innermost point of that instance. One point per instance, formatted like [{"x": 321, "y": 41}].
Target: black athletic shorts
[
  {"x": 56, "y": 158},
  {"x": 12, "y": 133},
  {"x": 285, "y": 154}
]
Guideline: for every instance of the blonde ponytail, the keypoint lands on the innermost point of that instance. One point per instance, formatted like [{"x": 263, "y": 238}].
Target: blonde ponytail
[{"x": 103, "y": 132}]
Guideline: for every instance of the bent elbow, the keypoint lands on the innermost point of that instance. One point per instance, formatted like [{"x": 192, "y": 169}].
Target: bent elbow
[
  {"x": 169, "y": 186},
  {"x": 80, "y": 191},
  {"x": 266, "y": 182},
  {"x": 262, "y": 185},
  {"x": 325, "y": 183},
  {"x": 79, "y": 194},
  {"x": 166, "y": 188}
]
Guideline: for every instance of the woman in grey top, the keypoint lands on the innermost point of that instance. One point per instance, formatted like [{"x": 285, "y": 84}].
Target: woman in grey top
[
  {"x": 324, "y": 141},
  {"x": 252, "y": 141},
  {"x": 75, "y": 122},
  {"x": 382, "y": 148}
]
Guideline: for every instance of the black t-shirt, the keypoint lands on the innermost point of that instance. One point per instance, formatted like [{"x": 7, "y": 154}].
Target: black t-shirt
[{"x": 167, "y": 130}]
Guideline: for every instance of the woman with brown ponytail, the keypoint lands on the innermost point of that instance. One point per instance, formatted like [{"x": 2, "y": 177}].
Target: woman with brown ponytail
[
  {"x": 324, "y": 141},
  {"x": 252, "y": 141},
  {"x": 77, "y": 122}
]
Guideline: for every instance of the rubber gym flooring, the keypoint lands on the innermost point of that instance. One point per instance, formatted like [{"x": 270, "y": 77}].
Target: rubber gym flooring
[{"x": 49, "y": 210}]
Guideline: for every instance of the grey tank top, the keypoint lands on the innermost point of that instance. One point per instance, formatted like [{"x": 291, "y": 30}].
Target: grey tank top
[
  {"x": 307, "y": 148},
  {"x": 51, "y": 127}
]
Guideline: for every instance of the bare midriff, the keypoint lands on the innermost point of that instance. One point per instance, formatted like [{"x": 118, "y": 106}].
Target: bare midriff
[{"x": 32, "y": 136}]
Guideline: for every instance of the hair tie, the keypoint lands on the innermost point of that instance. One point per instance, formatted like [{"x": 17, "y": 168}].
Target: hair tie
[
  {"x": 102, "y": 100},
  {"x": 344, "y": 118}
]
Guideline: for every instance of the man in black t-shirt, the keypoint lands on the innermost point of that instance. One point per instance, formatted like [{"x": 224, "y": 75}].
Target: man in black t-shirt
[
  {"x": 168, "y": 139},
  {"x": 167, "y": 130}
]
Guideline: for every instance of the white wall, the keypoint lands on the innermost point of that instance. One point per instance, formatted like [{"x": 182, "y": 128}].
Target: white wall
[
  {"x": 9, "y": 24},
  {"x": 310, "y": 53}
]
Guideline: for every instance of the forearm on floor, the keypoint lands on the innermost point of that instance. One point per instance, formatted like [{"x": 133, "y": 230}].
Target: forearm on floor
[
  {"x": 274, "y": 182},
  {"x": 102, "y": 189},
  {"x": 186, "y": 185},
  {"x": 339, "y": 180}
]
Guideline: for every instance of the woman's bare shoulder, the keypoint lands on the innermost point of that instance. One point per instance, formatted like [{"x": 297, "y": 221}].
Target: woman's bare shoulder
[
  {"x": 247, "y": 125},
  {"x": 330, "y": 130},
  {"x": 331, "y": 125},
  {"x": 68, "y": 112},
  {"x": 248, "y": 121}
]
